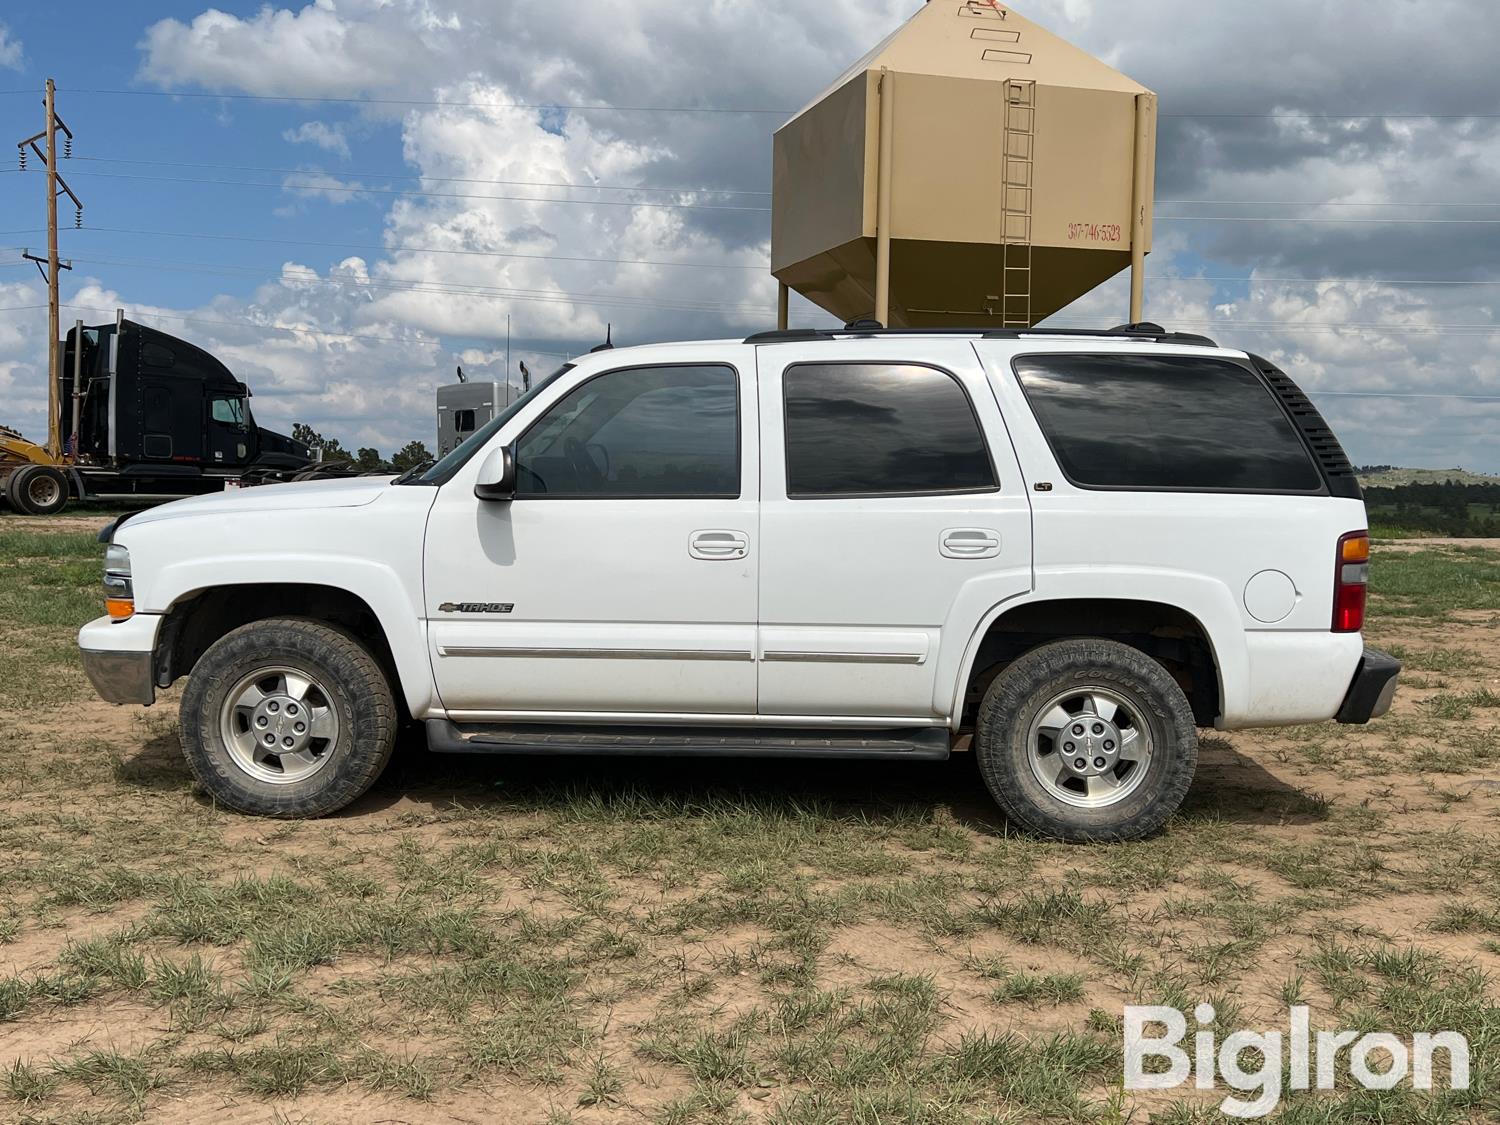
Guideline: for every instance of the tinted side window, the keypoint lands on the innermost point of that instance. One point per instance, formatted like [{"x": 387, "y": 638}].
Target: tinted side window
[
  {"x": 1144, "y": 421},
  {"x": 647, "y": 432},
  {"x": 882, "y": 429}
]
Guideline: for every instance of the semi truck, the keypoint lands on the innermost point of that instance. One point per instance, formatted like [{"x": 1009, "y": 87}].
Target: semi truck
[{"x": 146, "y": 416}]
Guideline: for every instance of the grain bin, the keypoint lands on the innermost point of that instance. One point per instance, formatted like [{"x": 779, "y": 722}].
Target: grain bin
[{"x": 972, "y": 170}]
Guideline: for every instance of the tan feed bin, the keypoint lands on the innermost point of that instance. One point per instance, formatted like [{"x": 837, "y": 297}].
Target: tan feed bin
[{"x": 1006, "y": 162}]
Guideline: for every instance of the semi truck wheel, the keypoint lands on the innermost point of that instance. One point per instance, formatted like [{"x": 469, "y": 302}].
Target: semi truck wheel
[
  {"x": 287, "y": 717},
  {"x": 1087, "y": 741},
  {"x": 37, "y": 490}
]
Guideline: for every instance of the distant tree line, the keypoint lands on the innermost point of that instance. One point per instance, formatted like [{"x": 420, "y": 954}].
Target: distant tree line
[
  {"x": 1446, "y": 508},
  {"x": 365, "y": 459}
]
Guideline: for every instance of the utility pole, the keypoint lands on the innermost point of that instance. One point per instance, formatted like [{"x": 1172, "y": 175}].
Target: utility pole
[{"x": 50, "y": 266}]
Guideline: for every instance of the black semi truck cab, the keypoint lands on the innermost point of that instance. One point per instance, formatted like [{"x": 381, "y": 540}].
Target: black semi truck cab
[
  {"x": 153, "y": 417},
  {"x": 153, "y": 404}
]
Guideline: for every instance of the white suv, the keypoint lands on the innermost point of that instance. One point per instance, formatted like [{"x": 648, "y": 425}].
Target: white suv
[{"x": 1063, "y": 551}]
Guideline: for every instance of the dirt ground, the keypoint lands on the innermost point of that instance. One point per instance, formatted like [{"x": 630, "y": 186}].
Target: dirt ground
[{"x": 592, "y": 940}]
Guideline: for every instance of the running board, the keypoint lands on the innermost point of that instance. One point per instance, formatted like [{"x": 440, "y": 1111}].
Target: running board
[{"x": 910, "y": 743}]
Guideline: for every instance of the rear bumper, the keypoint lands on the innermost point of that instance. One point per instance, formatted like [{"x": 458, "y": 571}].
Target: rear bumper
[
  {"x": 1372, "y": 689},
  {"x": 118, "y": 657}
]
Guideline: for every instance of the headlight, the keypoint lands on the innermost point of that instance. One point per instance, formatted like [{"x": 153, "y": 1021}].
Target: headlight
[{"x": 119, "y": 594}]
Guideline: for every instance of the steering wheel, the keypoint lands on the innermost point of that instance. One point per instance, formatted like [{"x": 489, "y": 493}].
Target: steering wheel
[
  {"x": 582, "y": 464},
  {"x": 594, "y": 448}
]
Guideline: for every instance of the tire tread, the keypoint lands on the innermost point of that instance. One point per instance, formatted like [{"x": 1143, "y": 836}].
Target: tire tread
[
  {"x": 1043, "y": 668},
  {"x": 372, "y": 709}
]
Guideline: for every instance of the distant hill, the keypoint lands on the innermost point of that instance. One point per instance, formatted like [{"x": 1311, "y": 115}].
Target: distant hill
[
  {"x": 1384, "y": 476},
  {"x": 1441, "y": 502}
]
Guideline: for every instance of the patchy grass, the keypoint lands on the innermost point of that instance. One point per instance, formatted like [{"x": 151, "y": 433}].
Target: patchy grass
[
  {"x": 1434, "y": 583},
  {"x": 704, "y": 941}
]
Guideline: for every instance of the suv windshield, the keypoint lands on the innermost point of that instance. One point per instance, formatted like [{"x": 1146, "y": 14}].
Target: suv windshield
[{"x": 440, "y": 471}]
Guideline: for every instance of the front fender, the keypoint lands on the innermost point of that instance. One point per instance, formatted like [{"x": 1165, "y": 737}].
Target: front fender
[
  {"x": 377, "y": 586},
  {"x": 373, "y": 553}
]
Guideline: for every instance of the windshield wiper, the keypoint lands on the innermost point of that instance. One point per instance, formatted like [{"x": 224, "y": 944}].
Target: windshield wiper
[{"x": 421, "y": 466}]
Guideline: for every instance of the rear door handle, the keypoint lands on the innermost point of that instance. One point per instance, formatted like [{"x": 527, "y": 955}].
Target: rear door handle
[
  {"x": 969, "y": 543},
  {"x": 716, "y": 545}
]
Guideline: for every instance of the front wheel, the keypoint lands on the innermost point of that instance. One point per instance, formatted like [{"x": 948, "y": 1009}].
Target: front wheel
[
  {"x": 287, "y": 717},
  {"x": 1086, "y": 741}
]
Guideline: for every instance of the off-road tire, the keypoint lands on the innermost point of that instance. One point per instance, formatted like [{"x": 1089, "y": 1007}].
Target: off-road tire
[
  {"x": 356, "y": 687},
  {"x": 37, "y": 490},
  {"x": 1014, "y": 700}
]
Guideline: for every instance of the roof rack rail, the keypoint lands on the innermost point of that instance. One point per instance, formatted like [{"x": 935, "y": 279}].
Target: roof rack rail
[{"x": 1141, "y": 331}]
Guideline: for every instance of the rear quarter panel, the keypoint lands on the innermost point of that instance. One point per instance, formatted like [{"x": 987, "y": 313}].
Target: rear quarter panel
[{"x": 1198, "y": 551}]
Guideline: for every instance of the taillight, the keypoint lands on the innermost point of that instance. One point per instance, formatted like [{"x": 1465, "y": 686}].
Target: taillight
[{"x": 1351, "y": 580}]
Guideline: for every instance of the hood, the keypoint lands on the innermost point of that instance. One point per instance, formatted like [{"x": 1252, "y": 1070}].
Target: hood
[{"x": 348, "y": 492}]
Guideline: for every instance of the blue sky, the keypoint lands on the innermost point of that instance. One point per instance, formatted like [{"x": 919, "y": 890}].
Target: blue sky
[
  {"x": 116, "y": 133},
  {"x": 353, "y": 335}
]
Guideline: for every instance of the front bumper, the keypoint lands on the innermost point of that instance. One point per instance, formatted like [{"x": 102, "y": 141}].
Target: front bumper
[
  {"x": 1372, "y": 689},
  {"x": 119, "y": 657},
  {"x": 120, "y": 677}
]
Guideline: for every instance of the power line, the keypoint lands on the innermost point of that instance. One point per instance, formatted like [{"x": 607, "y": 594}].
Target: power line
[
  {"x": 1326, "y": 326},
  {"x": 313, "y": 187},
  {"x": 546, "y": 296},
  {"x": 417, "y": 176},
  {"x": 640, "y": 187},
  {"x": 421, "y": 337},
  {"x": 684, "y": 305},
  {"x": 1399, "y": 282},
  {"x": 671, "y": 190},
  {"x": 1310, "y": 203},
  {"x": 596, "y": 107},
  {"x": 401, "y": 248},
  {"x": 1313, "y": 219},
  {"x": 426, "y": 102},
  {"x": 761, "y": 265},
  {"x": 1337, "y": 116},
  {"x": 342, "y": 188}
]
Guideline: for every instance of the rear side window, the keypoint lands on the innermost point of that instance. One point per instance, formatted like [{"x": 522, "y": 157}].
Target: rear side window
[
  {"x": 881, "y": 429},
  {"x": 1165, "y": 422}
]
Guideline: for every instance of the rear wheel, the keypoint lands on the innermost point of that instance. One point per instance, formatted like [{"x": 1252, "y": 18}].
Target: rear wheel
[
  {"x": 1087, "y": 740},
  {"x": 37, "y": 490},
  {"x": 287, "y": 717}
]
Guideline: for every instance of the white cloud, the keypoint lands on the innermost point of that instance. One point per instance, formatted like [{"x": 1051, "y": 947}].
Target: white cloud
[
  {"x": 316, "y": 51},
  {"x": 11, "y": 54},
  {"x": 321, "y": 185},
  {"x": 330, "y": 138}
]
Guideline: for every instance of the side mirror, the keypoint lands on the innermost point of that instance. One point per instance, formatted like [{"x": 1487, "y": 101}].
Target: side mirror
[{"x": 497, "y": 476}]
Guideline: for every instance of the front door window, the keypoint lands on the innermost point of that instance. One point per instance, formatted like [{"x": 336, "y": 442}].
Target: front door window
[{"x": 656, "y": 433}]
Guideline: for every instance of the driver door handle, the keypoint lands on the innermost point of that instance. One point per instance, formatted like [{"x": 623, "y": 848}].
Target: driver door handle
[
  {"x": 716, "y": 545},
  {"x": 969, "y": 543}
]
